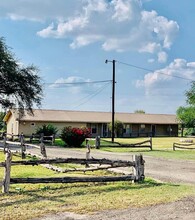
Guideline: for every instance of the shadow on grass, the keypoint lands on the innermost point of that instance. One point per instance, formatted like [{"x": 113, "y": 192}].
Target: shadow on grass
[{"x": 74, "y": 190}]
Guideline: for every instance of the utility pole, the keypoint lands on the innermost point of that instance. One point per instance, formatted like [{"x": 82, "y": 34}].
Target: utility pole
[{"x": 113, "y": 95}]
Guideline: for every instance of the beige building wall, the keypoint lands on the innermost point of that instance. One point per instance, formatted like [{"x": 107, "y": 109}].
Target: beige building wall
[
  {"x": 13, "y": 125},
  {"x": 28, "y": 128}
]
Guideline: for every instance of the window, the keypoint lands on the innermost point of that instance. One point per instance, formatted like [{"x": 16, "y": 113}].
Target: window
[
  {"x": 127, "y": 129},
  {"x": 142, "y": 127},
  {"x": 94, "y": 129},
  {"x": 32, "y": 124}
]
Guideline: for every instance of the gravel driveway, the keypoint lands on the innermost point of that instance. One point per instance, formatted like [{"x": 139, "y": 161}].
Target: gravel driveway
[{"x": 166, "y": 170}]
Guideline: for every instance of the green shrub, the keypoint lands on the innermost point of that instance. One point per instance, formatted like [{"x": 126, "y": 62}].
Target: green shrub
[
  {"x": 47, "y": 130},
  {"x": 74, "y": 137}
]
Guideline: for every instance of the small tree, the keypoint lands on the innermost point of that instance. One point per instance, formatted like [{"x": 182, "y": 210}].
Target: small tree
[
  {"x": 74, "y": 137},
  {"x": 118, "y": 128}
]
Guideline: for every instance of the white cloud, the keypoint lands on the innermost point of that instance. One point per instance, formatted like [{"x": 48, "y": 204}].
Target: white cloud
[
  {"x": 75, "y": 84},
  {"x": 96, "y": 6},
  {"x": 162, "y": 57},
  {"x": 150, "y": 47},
  {"x": 124, "y": 10},
  {"x": 84, "y": 40},
  {"x": 120, "y": 25},
  {"x": 63, "y": 29},
  {"x": 164, "y": 80},
  {"x": 36, "y": 10},
  {"x": 48, "y": 31}
]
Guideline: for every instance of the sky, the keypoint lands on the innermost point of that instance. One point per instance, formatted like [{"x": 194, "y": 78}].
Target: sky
[{"x": 152, "y": 42}]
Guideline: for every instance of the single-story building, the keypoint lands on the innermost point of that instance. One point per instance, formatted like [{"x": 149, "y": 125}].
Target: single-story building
[{"x": 134, "y": 124}]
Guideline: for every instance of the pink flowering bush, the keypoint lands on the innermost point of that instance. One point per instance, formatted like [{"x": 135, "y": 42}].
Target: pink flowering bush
[{"x": 74, "y": 137}]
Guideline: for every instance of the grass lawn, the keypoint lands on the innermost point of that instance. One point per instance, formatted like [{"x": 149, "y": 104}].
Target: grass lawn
[
  {"x": 32, "y": 200},
  {"x": 162, "y": 147}
]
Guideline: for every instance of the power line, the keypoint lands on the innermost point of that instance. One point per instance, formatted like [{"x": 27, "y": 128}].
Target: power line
[
  {"x": 79, "y": 83},
  {"x": 93, "y": 95},
  {"x": 146, "y": 69},
  {"x": 154, "y": 95}
]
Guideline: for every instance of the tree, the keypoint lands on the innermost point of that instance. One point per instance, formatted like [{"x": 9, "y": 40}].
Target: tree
[
  {"x": 2, "y": 124},
  {"x": 139, "y": 111},
  {"x": 191, "y": 95},
  {"x": 118, "y": 128},
  {"x": 20, "y": 86},
  {"x": 186, "y": 115}
]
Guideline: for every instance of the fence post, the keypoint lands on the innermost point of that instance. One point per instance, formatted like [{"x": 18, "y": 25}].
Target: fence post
[
  {"x": 6, "y": 180},
  {"x": 53, "y": 139},
  {"x": 97, "y": 142},
  {"x": 174, "y": 146},
  {"x": 12, "y": 136},
  {"x": 23, "y": 146},
  {"x": 88, "y": 151},
  {"x": 138, "y": 168},
  {"x": 5, "y": 143},
  {"x": 151, "y": 143},
  {"x": 42, "y": 146},
  {"x": 31, "y": 138}
]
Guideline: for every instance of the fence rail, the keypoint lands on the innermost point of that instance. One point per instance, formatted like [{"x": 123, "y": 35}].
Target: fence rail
[
  {"x": 23, "y": 145},
  {"x": 73, "y": 179},
  {"x": 143, "y": 144},
  {"x": 31, "y": 138},
  {"x": 185, "y": 146}
]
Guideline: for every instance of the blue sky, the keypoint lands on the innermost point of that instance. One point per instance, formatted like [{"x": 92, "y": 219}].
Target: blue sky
[{"x": 69, "y": 41}]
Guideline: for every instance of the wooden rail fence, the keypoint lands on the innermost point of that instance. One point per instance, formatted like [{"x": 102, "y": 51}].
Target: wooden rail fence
[
  {"x": 185, "y": 146},
  {"x": 23, "y": 145},
  {"x": 137, "y": 164},
  {"x": 30, "y": 138},
  {"x": 143, "y": 144}
]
